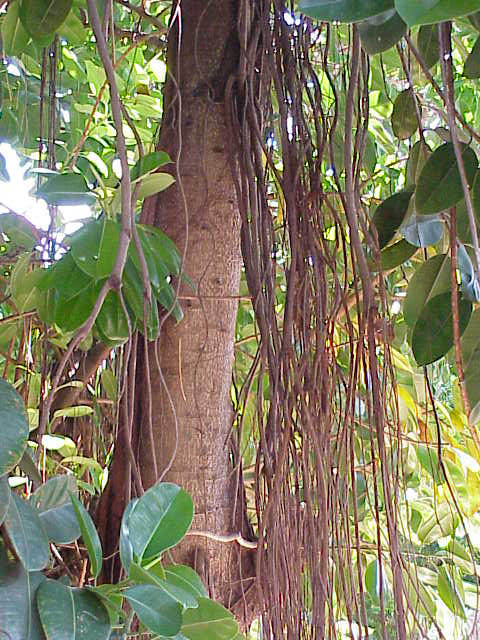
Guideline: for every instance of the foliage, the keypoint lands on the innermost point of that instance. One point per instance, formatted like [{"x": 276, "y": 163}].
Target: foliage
[{"x": 413, "y": 188}]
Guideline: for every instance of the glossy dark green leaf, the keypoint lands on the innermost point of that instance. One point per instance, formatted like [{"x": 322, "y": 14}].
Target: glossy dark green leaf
[
  {"x": 209, "y": 620},
  {"x": 158, "y": 270},
  {"x": 157, "y": 610},
  {"x": 18, "y": 609},
  {"x": 428, "y": 458},
  {"x": 160, "y": 519},
  {"x": 5, "y": 494},
  {"x": 432, "y": 278},
  {"x": 389, "y": 215},
  {"x": 344, "y": 10},
  {"x": 71, "y": 313},
  {"x": 43, "y": 17},
  {"x": 66, "y": 277},
  {"x": 423, "y": 231},
  {"x": 471, "y": 359},
  {"x": 71, "y": 614},
  {"x": 14, "y": 427},
  {"x": 126, "y": 548},
  {"x": 94, "y": 247},
  {"x": 112, "y": 599},
  {"x": 149, "y": 163},
  {"x": 14, "y": 36},
  {"x": 186, "y": 578},
  {"x": 66, "y": 189},
  {"x": 26, "y": 533},
  {"x": 472, "y": 63},
  {"x": 439, "y": 186},
  {"x": 432, "y": 11},
  {"x": 404, "y": 119},
  {"x": 20, "y": 232},
  {"x": 394, "y": 255},
  {"x": 432, "y": 335},
  {"x": 89, "y": 535},
  {"x": 111, "y": 322},
  {"x": 381, "y": 32},
  {"x": 427, "y": 43},
  {"x": 183, "y": 596},
  {"x": 163, "y": 248},
  {"x": 54, "y": 506},
  {"x": 448, "y": 592}
]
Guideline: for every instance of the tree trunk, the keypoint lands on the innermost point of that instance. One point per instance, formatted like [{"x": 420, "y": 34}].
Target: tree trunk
[{"x": 196, "y": 355}]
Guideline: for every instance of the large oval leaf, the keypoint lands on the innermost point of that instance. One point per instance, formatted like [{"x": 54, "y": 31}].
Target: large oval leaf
[
  {"x": 160, "y": 519},
  {"x": 55, "y": 508},
  {"x": 43, "y": 17},
  {"x": 396, "y": 254},
  {"x": 430, "y": 279},
  {"x": 390, "y": 214},
  {"x": 66, "y": 188},
  {"x": 14, "y": 36},
  {"x": 89, "y": 535},
  {"x": 157, "y": 610},
  {"x": 94, "y": 247},
  {"x": 178, "y": 593},
  {"x": 432, "y": 11},
  {"x": 344, "y": 10},
  {"x": 439, "y": 185},
  {"x": 18, "y": 610},
  {"x": 423, "y": 231},
  {"x": 448, "y": 592},
  {"x": 126, "y": 548},
  {"x": 427, "y": 43},
  {"x": 71, "y": 614},
  {"x": 404, "y": 119},
  {"x": 381, "y": 32},
  {"x": 186, "y": 578},
  {"x": 209, "y": 620},
  {"x": 14, "y": 428},
  {"x": 432, "y": 335},
  {"x": 26, "y": 534}
]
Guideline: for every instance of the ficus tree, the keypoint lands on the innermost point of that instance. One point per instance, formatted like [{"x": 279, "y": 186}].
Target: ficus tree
[{"x": 248, "y": 384}]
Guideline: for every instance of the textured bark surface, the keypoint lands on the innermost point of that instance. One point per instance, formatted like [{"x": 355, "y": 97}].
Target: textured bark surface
[{"x": 200, "y": 213}]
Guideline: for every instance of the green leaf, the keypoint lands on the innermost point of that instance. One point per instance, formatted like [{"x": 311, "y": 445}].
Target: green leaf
[
  {"x": 149, "y": 186},
  {"x": 430, "y": 279},
  {"x": 431, "y": 11},
  {"x": 14, "y": 37},
  {"x": 43, "y": 17},
  {"x": 5, "y": 494},
  {"x": 448, "y": 592},
  {"x": 66, "y": 189},
  {"x": 126, "y": 548},
  {"x": 18, "y": 610},
  {"x": 427, "y": 43},
  {"x": 396, "y": 254},
  {"x": 162, "y": 247},
  {"x": 94, "y": 247},
  {"x": 66, "y": 277},
  {"x": 381, "y": 32},
  {"x": 472, "y": 63},
  {"x": 71, "y": 313},
  {"x": 471, "y": 358},
  {"x": 21, "y": 233},
  {"x": 428, "y": 458},
  {"x": 111, "y": 322},
  {"x": 209, "y": 620},
  {"x": 73, "y": 30},
  {"x": 372, "y": 580},
  {"x": 26, "y": 534},
  {"x": 54, "y": 506},
  {"x": 109, "y": 383},
  {"x": 157, "y": 610},
  {"x": 416, "y": 159},
  {"x": 404, "y": 119},
  {"x": 186, "y": 578},
  {"x": 344, "y": 10},
  {"x": 14, "y": 427},
  {"x": 390, "y": 214},
  {"x": 71, "y": 614},
  {"x": 475, "y": 20},
  {"x": 89, "y": 535},
  {"x": 439, "y": 185},
  {"x": 432, "y": 335},
  {"x": 149, "y": 163},
  {"x": 438, "y": 523},
  {"x": 160, "y": 519},
  {"x": 179, "y": 594}
]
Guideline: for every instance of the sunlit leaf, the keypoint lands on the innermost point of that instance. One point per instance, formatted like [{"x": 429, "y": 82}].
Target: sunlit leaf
[
  {"x": 430, "y": 279},
  {"x": 431, "y": 11},
  {"x": 210, "y": 620}
]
